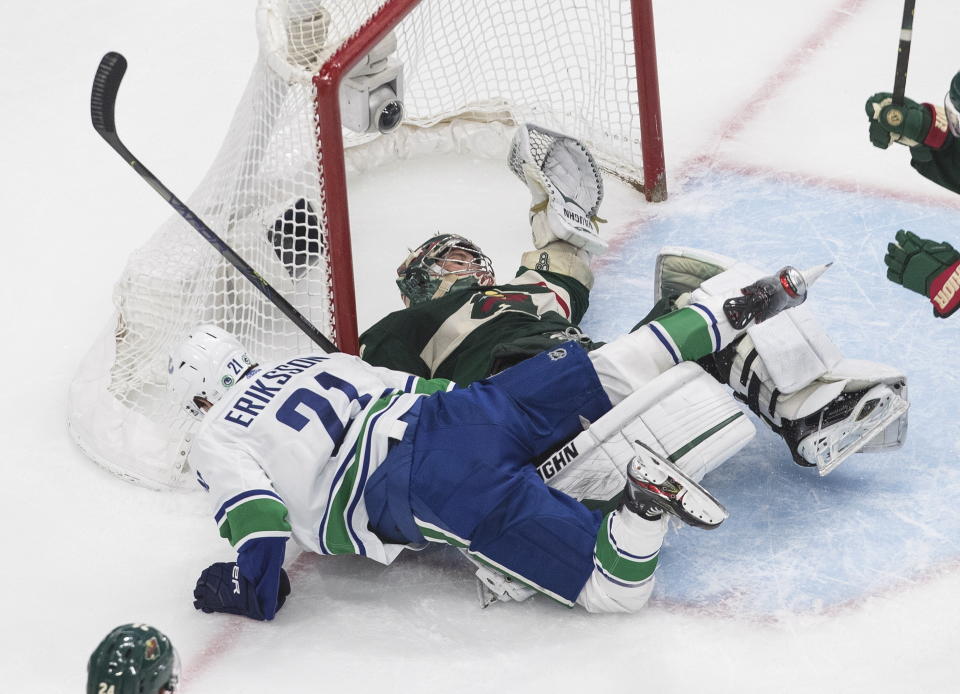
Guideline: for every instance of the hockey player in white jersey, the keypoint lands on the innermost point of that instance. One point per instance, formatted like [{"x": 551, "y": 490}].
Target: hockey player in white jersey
[{"x": 349, "y": 458}]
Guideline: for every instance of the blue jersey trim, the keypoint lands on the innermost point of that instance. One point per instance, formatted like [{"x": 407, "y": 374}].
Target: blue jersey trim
[
  {"x": 233, "y": 501},
  {"x": 664, "y": 341},
  {"x": 713, "y": 324}
]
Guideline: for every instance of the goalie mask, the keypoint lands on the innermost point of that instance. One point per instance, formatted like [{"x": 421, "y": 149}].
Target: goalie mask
[
  {"x": 440, "y": 264},
  {"x": 133, "y": 659},
  {"x": 204, "y": 366}
]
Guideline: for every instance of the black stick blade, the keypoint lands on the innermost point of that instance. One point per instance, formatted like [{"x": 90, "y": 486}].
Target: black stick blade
[{"x": 103, "y": 96}]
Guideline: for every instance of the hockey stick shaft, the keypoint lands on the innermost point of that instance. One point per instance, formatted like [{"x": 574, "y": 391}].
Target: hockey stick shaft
[
  {"x": 103, "y": 98},
  {"x": 903, "y": 52}
]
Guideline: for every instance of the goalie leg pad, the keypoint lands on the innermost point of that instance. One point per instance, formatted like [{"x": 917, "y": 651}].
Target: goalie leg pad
[
  {"x": 683, "y": 415},
  {"x": 795, "y": 348},
  {"x": 566, "y": 186},
  {"x": 678, "y": 270}
]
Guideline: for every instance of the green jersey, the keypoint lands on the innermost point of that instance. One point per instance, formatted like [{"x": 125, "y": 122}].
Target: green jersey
[
  {"x": 469, "y": 334},
  {"x": 943, "y": 167}
]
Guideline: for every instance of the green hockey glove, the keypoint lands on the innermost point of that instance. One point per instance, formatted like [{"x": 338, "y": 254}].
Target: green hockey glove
[
  {"x": 926, "y": 267},
  {"x": 908, "y": 124}
]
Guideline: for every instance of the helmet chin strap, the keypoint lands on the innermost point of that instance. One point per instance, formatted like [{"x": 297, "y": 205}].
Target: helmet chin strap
[
  {"x": 202, "y": 403},
  {"x": 205, "y": 404},
  {"x": 446, "y": 281}
]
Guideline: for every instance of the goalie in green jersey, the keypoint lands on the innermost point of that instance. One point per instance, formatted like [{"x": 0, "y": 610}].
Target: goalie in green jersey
[
  {"x": 458, "y": 323},
  {"x": 933, "y": 136},
  {"x": 461, "y": 325}
]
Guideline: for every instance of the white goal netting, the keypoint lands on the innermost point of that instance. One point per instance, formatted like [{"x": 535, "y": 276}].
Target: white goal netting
[{"x": 471, "y": 70}]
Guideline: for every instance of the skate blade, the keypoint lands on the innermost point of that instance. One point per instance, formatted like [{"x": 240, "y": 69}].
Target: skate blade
[
  {"x": 696, "y": 507},
  {"x": 835, "y": 444}
]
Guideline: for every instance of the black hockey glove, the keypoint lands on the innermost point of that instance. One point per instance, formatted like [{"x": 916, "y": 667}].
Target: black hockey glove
[{"x": 222, "y": 588}]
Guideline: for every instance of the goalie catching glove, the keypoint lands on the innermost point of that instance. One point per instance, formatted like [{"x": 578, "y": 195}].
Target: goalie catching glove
[
  {"x": 926, "y": 267},
  {"x": 566, "y": 186}
]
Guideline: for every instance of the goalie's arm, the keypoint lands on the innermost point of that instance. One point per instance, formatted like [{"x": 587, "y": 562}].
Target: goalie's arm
[
  {"x": 943, "y": 166},
  {"x": 573, "y": 294},
  {"x": 386, "y": 344}
]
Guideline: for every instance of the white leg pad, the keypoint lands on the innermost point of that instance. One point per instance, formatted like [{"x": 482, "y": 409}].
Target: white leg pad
[
  {"x": 795, "y": 348},
  {"x": 683, "y": 414}
]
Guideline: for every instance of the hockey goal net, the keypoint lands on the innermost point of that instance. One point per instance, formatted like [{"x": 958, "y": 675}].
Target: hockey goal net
[{"x": 276, "y": 192}]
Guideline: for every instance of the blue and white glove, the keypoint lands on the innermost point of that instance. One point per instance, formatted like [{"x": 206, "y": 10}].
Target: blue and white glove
[{"x": 254, "y": 586}]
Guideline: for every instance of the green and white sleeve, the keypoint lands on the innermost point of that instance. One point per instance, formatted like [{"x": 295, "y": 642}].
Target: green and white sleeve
[{"x": 633, "y": 360}]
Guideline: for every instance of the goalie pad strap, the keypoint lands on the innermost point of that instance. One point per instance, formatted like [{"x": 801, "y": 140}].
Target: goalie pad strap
[
  {"x": 747, "y": 363},
  {"x": 753, "y": 394}
]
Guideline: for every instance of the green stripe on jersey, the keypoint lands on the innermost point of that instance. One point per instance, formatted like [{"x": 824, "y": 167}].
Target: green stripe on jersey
[
  {"x": 336, "y": 536},
  {"x": 689, "y": 331},
  {"x": 426, "y": 386},
  {"x": 617, "y": 565},
  {"x": 257, "y": 515},
  {"x": 432, "y": 533}
]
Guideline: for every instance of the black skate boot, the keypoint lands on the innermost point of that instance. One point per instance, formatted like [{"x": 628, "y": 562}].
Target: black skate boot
[
  {"x": 766, "y": 298},
  {"x": 654, "y": 484},
  {"x": 848, "y": 424}
]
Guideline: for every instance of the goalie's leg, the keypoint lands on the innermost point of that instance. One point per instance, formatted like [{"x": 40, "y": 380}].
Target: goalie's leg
[
  {"x": 706, "y": 326},
  {"x": 683, "y": 415},
  {"x": 791, "y": 375},
  {"x": 856, "y": 406}
]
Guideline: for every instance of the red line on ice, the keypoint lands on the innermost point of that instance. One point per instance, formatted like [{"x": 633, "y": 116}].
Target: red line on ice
[{"x": 226, "y": 638}]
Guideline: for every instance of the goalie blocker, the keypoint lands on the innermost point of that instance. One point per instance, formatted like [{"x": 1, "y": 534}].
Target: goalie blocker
[{"x": 825, "y": 406}]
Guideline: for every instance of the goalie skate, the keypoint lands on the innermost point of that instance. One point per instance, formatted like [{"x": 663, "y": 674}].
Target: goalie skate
[
  {"x": 654, "y": 481},
  {"x": 852, "y": 422}
]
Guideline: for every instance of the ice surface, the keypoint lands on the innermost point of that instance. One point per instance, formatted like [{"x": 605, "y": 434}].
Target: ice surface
[{"x": 846, "y": 583}]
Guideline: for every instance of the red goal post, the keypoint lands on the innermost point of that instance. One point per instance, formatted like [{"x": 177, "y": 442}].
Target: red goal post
[
  {"x": 376, "y": 27},
  {"x": 472, "y": 70}
]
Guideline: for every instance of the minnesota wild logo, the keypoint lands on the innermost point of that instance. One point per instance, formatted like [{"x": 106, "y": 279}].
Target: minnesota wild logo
[
  {"x": 151, "y": 649},
  {"x": 491, "y": 302}
]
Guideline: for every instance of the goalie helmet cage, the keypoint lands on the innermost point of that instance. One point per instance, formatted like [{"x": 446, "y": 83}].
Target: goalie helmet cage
[{"x": 277, "y": 189}]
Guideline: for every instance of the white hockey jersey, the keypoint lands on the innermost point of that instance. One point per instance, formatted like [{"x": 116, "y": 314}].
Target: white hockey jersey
[{"x": 291, "y": 446}]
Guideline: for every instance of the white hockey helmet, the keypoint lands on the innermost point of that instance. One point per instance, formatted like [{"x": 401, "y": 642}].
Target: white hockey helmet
[{"x": 204, "y": 366}]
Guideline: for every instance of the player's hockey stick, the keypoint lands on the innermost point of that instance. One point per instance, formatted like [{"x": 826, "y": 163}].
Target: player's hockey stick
[
  {"x": 903, "y": 52},
  {"x": 103, "y": 99}
]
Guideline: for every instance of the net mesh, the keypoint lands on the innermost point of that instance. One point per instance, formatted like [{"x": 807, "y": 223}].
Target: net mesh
[{"x": 569, "y": 68}]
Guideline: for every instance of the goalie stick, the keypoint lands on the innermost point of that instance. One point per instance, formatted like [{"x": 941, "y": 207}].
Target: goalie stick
[{"x": 103, "y": 100}]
